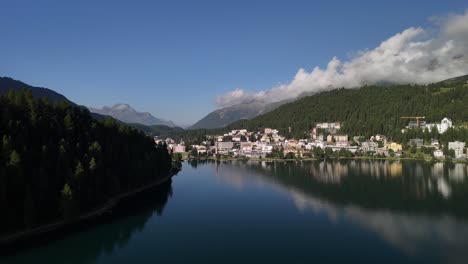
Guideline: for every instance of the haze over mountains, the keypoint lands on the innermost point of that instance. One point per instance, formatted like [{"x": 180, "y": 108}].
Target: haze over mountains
[{"x": 127, "y": 114}]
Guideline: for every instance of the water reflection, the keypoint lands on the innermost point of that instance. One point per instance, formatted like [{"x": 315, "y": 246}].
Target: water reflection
[
  {"x": 420, "y": 208},
  {"x": 347, "y": 211},
  {"x": 416, "y": 179},
  {"x": 104, "y": 240},
  {"x": 443, "y": 235}
]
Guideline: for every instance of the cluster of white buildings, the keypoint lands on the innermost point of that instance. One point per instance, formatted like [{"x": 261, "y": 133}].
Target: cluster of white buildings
[
  {"x": 241, "y": 142},
  {"x": 259, "y": 144},
  {"x": 236, "y": 135},
  {"x": 441, "y": 127},
  {"x": 172, "y": 146},
  {"x": 329, "y": 127}
]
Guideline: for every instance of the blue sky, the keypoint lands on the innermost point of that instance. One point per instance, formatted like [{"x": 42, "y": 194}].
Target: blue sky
[{"x": 171, "y": 58}]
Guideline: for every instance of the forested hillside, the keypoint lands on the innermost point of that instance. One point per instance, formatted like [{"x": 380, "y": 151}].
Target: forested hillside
[
  {"x": 224, "y": 116},
  {"x": 161, "y": 131},
  {"x": 7, "y": 84},
  {"x": 56, "y": 160},
  {"x": 370, "y": 109}
]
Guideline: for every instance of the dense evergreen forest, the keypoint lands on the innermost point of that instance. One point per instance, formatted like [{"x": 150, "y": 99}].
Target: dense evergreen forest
[
  {"x": 7, "y": 84},
  {"x": 57, "y": 161},
  {"x": 161, "y": 131},
  {"x": 368, "y": 110}
]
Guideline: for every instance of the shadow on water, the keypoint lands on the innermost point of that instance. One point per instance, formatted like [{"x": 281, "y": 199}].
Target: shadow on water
[{"x": 107, "y": 236}]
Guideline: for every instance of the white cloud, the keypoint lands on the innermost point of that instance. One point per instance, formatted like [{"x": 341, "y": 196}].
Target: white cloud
[{"x": 411, "y": 56}]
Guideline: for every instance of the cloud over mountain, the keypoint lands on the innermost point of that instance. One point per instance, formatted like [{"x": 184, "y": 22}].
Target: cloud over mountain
[{"x": 414, "y": 55}]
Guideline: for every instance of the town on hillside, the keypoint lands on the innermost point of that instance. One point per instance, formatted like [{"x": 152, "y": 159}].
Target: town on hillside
[{"x": 324, "y": 140}]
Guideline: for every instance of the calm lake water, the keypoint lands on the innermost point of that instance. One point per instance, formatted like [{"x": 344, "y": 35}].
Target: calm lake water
[{"x": 285, "y": 212}]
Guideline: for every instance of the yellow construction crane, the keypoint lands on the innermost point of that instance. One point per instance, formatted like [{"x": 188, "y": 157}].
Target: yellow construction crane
[{"x": 414, "y": 117}]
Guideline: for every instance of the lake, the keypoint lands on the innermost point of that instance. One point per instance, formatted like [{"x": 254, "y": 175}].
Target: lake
[{"x": 284, "y": 212}]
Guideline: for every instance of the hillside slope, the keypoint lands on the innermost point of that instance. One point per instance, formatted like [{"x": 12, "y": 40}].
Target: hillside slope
[
  {"x": 222, "y": 117},
  {"x": 158, "y": 130},
  {"x": 7, "y": 83},
  {"x": 227, "y": 115},
  {"x": 370, "y": 109}
]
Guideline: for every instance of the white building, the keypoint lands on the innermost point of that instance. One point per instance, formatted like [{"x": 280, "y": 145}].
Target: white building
[
  {"x": 178, "y": 148},
  {"x": 444, "y": 125},
  {"x": 458, "y": 147},
  {"x": 201, "y": 149},
  {"x": 438, "y": 154},
  {"x": 316, "y": 143},
  {"x": 378, "y": 137},
  {"x": 322, "y": 126},
  {"x": 334, "y": 125},
  {"x": 224, "y": 147},
  {"x": 267, "y": 149},
  {"x": 353, "y": 149},
  {"x": 367, "y": 146}
]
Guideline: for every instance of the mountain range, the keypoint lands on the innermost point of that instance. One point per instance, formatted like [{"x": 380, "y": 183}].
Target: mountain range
[
  {"x": 227, "y": 115},
  {"x": 127, "y": 114},
  {"x": 222, "y": 117},
  {"x": 122, "y": 112},
  {"x": 298, "y": 113}
]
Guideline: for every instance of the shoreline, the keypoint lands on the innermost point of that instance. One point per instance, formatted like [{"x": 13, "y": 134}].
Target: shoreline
[
  {"x": 16, "y": 241},
  {"x": 340, "y": 158}
]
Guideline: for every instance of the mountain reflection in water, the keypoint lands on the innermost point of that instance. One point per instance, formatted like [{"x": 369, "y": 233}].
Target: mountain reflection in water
[{"x": 418, "y": 207}]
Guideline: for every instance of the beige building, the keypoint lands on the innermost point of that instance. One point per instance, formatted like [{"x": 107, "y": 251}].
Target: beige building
[
  {"x": 341, "y": 137},
  {"x": 393, "y": 146}
]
